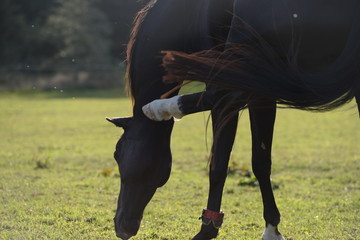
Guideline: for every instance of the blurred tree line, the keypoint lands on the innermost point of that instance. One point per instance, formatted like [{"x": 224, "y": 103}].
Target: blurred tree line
[{"x": 50, "y": 33}]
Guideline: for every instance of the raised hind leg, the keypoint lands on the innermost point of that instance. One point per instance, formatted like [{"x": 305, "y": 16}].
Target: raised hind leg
[
  {"x": 262, "y": 118},
  {"x": 179, "y": 106}
]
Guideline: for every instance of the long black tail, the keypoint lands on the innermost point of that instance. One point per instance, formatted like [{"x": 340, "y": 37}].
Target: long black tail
[{"x": 258, "y": 69}]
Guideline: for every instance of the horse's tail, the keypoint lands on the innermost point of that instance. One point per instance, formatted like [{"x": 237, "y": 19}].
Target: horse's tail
[{"x": 259, "y": 70}]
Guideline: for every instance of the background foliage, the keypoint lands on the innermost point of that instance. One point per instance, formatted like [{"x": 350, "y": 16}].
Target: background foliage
[
  {"x": 46, "y": 31},
  {"x": 51, "y": 36}
]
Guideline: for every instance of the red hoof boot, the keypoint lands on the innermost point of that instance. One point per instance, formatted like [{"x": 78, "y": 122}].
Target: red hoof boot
[{"x": 211, "y": 217}]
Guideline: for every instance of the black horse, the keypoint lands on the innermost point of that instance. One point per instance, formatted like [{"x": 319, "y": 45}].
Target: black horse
[
  {"x": 263, "y": 37},
  {"x": 302, "y": 54},
  {"x": 143, "y": 152}
]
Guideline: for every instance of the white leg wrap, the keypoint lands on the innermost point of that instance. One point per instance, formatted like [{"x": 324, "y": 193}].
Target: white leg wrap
[
  {"x": 163, "y": 109},
  {"x": 271, "y": 233}
]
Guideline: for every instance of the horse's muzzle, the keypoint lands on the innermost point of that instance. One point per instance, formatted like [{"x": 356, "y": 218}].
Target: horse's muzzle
[
  {"x": 125, "y": 229},
  {"x": 124, "y": 236}
]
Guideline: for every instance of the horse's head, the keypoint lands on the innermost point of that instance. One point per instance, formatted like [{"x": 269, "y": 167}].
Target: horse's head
[{"x": 144, "y": 159}]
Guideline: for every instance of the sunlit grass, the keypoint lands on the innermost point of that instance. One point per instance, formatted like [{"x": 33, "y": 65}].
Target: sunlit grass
[{"x": 58, "y": 179}]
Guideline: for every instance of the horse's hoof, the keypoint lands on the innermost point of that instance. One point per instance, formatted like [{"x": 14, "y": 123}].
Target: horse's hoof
[
  {"x": 207, "y": 232},
  {"x": 272, "y": 233},
  {"x": 200, "y": 236}
]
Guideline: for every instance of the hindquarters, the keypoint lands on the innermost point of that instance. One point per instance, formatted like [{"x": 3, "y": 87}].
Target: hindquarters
[
  {"x": 306, "y": 54},
  {"x": 314, "y": 33}
]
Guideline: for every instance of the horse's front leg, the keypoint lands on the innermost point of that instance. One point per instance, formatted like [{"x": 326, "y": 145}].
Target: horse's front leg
[
  {"x": 262, "y": 118},
  {"x": 224, "y": 130}
]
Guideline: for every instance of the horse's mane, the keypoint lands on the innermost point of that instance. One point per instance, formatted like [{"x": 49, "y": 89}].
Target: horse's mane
[{"x": 138, "y": 20}]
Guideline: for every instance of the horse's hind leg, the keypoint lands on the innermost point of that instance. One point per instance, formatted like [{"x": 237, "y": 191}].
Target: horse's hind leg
[
  {"x": 179, "y": 106},
  {"x": 262, "y": 118}
]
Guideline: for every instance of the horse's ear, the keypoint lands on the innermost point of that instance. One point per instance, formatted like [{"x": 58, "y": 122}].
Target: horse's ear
[
  {"x": 357, "y": 97},
  {"x": 121, "y": 122}
]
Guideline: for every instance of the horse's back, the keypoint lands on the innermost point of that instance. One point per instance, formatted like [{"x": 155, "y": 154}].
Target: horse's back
[{"x": 316, "y": 31}]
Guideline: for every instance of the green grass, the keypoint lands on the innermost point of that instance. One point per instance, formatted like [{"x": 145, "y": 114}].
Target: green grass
[{"x": 58, "y": 179}]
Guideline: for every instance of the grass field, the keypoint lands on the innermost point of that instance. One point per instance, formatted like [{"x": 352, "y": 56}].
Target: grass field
[{"x": 58, "y": 179}]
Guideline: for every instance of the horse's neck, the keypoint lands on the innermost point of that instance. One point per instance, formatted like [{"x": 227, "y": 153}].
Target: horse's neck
[
  {"x": 167, "y": 25},
  {"x": 183, "y": 25},
  {"x": 220, "y": 16},
  {"x": 209, "y": 23}
]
